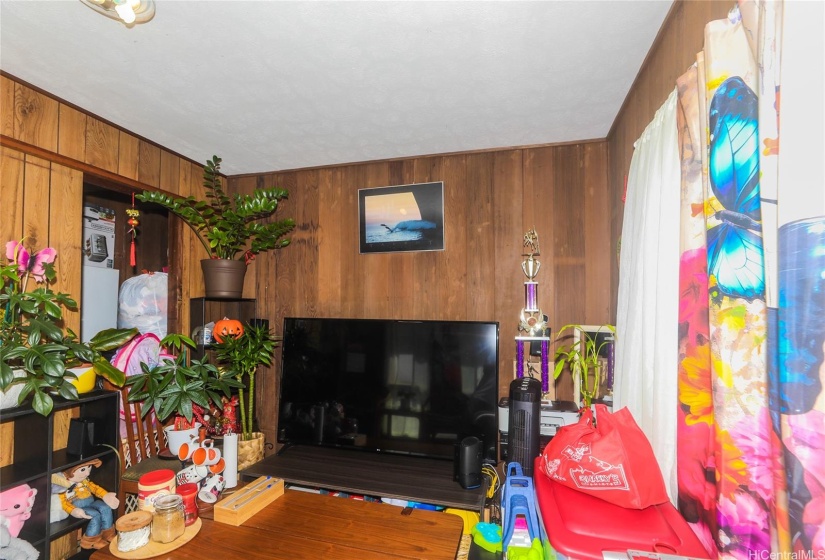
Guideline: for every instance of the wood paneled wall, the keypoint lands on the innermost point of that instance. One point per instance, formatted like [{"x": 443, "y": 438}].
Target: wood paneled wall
[
  {"x": 491, "y": 199},
  {"x": 48, "y": 149},
  {"x": 672, "y": 53}
]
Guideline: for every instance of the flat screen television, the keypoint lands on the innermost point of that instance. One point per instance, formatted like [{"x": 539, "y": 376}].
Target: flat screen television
[{"x": 390, "y": 386}]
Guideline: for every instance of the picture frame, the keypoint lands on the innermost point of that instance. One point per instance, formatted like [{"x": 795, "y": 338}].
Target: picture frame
[{"x": 401, "y": 218}]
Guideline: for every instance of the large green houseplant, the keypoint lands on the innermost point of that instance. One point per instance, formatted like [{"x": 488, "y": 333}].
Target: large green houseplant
[
  {"x": 232, "y": 228},
  {"x": 583, "y": 357},
  {"x": 36, "y": 353}
]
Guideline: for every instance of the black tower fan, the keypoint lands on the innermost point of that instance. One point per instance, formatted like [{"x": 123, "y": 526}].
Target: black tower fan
[{"x": 524, "y": 429}]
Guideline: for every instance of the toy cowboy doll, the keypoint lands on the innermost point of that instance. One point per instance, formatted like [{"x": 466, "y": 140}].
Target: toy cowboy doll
[{"x": 86, "y": 500}]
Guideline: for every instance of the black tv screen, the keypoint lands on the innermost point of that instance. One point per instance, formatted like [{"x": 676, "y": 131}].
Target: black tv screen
[{"x": 410, "y": 387}]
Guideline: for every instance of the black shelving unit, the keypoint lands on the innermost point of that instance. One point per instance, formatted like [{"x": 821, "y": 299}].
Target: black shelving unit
[
  {"x": 39, "y": 451},
  {"x": 204, "y": 310}
]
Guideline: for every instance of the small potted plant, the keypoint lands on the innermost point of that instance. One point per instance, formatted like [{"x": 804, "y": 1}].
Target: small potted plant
[
  {"x": 176, "y": 385},
  {"x": 583, "y": 357},
  {"x": 242, "y": 354},
  {"x": 37, "y": 356},
  {"x": 231, "y": 228}
]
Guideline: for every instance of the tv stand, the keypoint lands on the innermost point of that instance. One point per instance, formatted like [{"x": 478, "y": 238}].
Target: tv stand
[{"x": 404, "y": 477}]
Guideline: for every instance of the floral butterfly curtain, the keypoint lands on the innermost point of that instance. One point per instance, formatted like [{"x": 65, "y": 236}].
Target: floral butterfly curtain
[{"x": 751, "y": 406}]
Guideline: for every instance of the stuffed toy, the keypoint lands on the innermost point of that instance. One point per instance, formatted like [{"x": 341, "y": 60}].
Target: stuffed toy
[
  {"x": 16, "y": 506},
  {"x": 86, "y": 500},
  {"x": 12, "y": 548},
  {"x": 56, "y": 511}
]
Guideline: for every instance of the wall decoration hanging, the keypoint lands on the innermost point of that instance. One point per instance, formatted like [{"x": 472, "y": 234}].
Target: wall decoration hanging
[{"x": 402, "y": 218}]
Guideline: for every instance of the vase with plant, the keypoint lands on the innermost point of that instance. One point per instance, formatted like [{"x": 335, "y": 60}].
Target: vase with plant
[
  {"x": 232, "y": 228},
  {"x": 36, "y": 354},
  {"x": 241, "y": 355},
  {"x": 584, "y": 357},
  {"x": 178, "y": 384}
]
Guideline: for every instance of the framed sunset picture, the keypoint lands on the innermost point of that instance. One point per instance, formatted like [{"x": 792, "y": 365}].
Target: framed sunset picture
[{"x": 402, "y": 218}]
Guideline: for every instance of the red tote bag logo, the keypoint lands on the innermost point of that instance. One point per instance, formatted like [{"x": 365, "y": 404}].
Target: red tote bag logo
[{"x": 610, "y": 459}]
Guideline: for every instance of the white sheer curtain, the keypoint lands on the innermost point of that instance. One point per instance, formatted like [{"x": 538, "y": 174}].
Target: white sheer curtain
[{"x": 647, "y": 314}]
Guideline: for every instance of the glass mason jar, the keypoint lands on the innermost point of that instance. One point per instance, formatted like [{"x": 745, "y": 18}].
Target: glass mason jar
[{"x": 168, "y": 522}]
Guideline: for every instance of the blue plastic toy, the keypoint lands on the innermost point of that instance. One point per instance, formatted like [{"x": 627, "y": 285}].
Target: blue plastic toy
[{"x": 518, "y": 498}]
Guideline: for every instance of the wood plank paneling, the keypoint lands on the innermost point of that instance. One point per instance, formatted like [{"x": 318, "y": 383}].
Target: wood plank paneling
[
  {"x": 596, "y": 233},
  {"x": 329, "y": 244},
  {"x": 102, "y": 145},
  {"x": 36, "y": 202},
  {"x": 128, "y": 157},
  {"x": 12, "y": 164},
  {"x": 6, "y": 106},
  {"x": 66, "y": 234},
  {"x": 35, "y": 118},
  {"x": 148, "y": 164},
  {"x": 71, "y": 137}
]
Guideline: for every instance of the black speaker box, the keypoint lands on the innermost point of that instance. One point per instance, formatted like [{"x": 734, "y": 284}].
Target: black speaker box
[
  {"x": 81, "y": 437},
  {"x": 524, "y": 429},
  {"x": 469, "y": 454}
]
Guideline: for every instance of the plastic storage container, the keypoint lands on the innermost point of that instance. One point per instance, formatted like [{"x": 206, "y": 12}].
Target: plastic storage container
[{"x": 584, "y": 527}]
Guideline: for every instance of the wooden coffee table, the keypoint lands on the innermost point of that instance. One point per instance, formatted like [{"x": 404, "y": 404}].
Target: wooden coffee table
[{"x": 301, "y": 525}]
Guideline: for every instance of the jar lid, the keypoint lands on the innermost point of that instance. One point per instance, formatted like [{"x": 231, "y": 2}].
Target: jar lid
[
  {"x": 156, "y": 477},
  {"x": 169, "y": 501},
  {"x": 133, "y": 521},
  {"x": 188, "y": 489}
]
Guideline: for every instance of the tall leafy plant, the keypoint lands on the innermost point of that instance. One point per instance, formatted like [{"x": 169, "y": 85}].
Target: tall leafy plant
[
  {"x": 242, "y": 356},
  {"x": 229, "y": 227}
]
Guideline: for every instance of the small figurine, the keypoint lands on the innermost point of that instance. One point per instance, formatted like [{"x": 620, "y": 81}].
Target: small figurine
[
  {"x": 230, "y": 415},
  {"x": 16, "y": 507},
  {"x": 86, "y": 500}
]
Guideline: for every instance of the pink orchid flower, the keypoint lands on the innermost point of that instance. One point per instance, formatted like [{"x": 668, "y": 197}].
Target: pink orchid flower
[{"x": 27, "y": 263}]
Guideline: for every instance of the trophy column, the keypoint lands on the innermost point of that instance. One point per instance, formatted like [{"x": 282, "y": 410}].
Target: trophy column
[{"x": 532, "y": 325}]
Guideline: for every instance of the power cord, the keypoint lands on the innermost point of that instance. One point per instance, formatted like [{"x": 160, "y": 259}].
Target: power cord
[{"x": 494, "y": 483}]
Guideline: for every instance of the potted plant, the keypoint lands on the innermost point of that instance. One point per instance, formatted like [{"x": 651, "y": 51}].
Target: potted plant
[
  {"x": 231, "y": 228},
  {"x": 583, "y": 357},
  {"x": 242, "y": 354},
  {"x": 177, "y": 385},
  {"x": 36, "y": 354}
]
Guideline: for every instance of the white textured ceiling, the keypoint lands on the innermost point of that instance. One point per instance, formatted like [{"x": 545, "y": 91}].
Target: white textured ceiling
[{"x": 272, "y": 85}]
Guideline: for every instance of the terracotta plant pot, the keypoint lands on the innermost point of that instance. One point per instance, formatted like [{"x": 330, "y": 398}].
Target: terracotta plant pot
[
  {"x": 250, "y": 451},
  {"x": 223, "y": 278}
]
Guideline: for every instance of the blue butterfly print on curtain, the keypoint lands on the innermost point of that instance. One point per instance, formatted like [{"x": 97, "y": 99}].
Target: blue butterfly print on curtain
[{"x": 735, "y": 256}]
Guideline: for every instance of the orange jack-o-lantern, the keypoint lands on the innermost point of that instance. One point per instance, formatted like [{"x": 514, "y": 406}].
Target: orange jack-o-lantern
[{"x": 227, "y": 328}]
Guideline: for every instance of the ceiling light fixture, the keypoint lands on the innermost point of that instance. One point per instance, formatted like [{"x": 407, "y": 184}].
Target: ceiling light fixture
[{"x": 129, "y": 12}]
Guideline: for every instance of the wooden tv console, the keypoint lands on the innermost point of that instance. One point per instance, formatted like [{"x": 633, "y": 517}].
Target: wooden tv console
[{"x": 417, "y": 479}]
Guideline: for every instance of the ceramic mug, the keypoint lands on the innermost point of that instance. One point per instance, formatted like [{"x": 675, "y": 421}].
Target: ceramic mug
[
  {"x": 207, "y": 454},
  {"x": 192, "y": 473},
  {"x": 211, "y": 490},
  {"x": 188, "y": 448}
]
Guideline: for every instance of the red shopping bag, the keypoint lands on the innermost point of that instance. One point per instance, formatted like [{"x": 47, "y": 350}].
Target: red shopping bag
[{"x": 610, "y": 459}]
